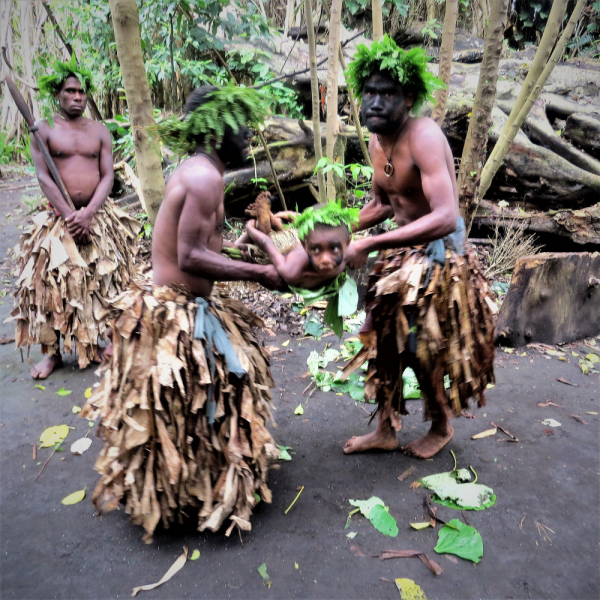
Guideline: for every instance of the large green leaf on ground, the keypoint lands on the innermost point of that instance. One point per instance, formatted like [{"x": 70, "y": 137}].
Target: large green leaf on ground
[
  {"x": 451, "y": 490},
  {"x": 457, "y": 538},
  {"x": 376, "y": 511}
]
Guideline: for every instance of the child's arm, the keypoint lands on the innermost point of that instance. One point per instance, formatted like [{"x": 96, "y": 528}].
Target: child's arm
[{"x": 290, "y": 266}]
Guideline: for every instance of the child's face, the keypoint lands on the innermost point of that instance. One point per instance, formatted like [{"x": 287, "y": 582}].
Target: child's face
[{"x": 325, "y": 247}]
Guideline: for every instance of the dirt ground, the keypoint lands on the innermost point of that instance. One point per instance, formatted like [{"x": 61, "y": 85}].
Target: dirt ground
[{"x": 550, "y": 478}]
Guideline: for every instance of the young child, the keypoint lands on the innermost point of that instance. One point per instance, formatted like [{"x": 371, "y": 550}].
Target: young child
[{"x": 316, "y": 269}]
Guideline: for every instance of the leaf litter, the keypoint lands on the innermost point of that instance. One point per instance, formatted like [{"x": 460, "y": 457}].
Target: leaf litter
[
  {"x": 430, "y": 564},
  {"x": 175, "y": 567}
]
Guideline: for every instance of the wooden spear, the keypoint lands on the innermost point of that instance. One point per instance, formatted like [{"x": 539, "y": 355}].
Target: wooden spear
[{"x": 33, "y": 129}]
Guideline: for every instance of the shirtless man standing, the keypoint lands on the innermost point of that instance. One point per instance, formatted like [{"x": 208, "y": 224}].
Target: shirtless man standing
[
  {"x": 82, "y": 152},
  {"x": 209, "y": 428},
  {"x": 414, "y": 184}
]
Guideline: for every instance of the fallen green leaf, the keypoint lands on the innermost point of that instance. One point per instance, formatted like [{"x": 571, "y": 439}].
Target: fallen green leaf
[
  {"x": 409, "y": 590},
  {"x": 256, "y": 497},
  {"x": 299, "y": 410},
  {"x": 351, "y": 535},
  {"x": 88, "y": 393},
  {"x": 296, "y": 566},
  {"x": 286, "y": 343},
  {"x": 451, "y": 489},
  {"x": 375, "y": 510},
  {"x": 283, "y": 452},
  {"x": 53, "y": 435},
  {"x": 195, "y": 555},
  {"x": 593, "y": 358},
  {"x": 74, "y": 498},
  {"x": 76, "y": 409},
  {"x": 263, "y": 573},
  {"x": 91, "y": 423},
  {"x": 460, "y": 539},
  {"x": 63, "y": 392},
  {"x": 40, "y": 387}
]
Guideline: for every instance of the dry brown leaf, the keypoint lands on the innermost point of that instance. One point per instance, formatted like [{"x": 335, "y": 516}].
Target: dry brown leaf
[
  {"x": 414, "y": 485},
  {"x": 175, "y": 567}
]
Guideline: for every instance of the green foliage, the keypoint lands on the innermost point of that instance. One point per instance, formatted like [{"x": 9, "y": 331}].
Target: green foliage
[
  {"x": 332, "y": 214},
  {"x": 460, "y": 539},
  {"x": 50, "y": 84},
  {"x": 376, "y": 511},
  {"x": 230, "y": 105},
  {"x": 409, "y": 68}
]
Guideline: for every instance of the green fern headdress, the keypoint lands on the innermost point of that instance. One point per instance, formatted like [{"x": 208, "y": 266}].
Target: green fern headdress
[
  {"x": 331, "y": 214},
  {"x": 50, "y": 85},
  {"x": 230, "y": 105},
  {"x": 409, "y": 68}
]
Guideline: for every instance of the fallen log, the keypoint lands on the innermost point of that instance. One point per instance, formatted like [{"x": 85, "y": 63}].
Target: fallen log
[
  {"x": 584, "y": 130},
  {"x": 552, "y": 299}
]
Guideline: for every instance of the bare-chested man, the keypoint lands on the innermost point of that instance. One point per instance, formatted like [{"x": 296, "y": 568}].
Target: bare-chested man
[
  {"x": 82, "y": 152},
  {"x": 185, "y": 353},
  {"x": 411, "y": 316}
]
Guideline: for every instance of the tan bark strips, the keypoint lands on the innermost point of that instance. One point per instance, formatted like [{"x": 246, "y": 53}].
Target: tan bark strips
[
  {"x": 314, "y": 86},
  {"x": 332, "y": 90},
  {"x": 481, "y": 115},
  {"x": 537, "y": 66},
  {"x": 446, "y": 50},
  {"x": 376, "y": 9},
  {"x": 147, "y": 150}
]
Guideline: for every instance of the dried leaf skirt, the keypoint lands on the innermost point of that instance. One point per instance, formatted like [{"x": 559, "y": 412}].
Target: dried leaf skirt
[
  {"x": 64, "y": 288},
  {"x": 439, "y": 321},
  {"x": 162, "y": 458}
]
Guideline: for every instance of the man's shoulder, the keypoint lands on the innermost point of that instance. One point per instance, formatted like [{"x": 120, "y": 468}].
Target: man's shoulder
[
  {"x": 424, "y": 128},
  {"x": 197, "y": 176}
]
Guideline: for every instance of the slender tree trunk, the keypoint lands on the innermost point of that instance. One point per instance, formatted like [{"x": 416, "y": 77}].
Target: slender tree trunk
[
  {"x": 475, "y": 146},
  {"x": 289, "y": 16},
  {"x": 314, "y": 85},
  {"x": 332, "y": 90},
  {"x": 126, "y": 24},
  {"x": 431, "y": 9},
  {"x": 537, "y": 66},
  {"x": 376, "y": 9},
  {"x": 446, "y": 50},
  {"x": 355, "y": 116},
  {"x": 26, "y": 50}
]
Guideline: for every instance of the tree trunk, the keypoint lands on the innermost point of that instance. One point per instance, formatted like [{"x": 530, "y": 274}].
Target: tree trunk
[
  {"x": 523, "y": 103},
  {"x": 26, "y": 49},
  {"x": 376, "y": 9},
  {"x": 475, "y": 147},
  {"x": 553, "y": 299},
  {"x": 446, "y": 50},
  {"x": 314, "y": 87},
  {"x": 332, "y": 91},
  {"x": 289, "y": 16},
  {"x": 129, "y": 51}
]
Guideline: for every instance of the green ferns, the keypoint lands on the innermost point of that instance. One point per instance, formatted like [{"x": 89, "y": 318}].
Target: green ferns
[
  {"x": 230, "y": 105},
  {"x": 331, "y": 214},
  {"x": 407, "y": 68},
  {"x": 50, "y": 85}
]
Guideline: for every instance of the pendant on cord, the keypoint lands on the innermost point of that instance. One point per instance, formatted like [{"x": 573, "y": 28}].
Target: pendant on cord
[{"x": 388, "y": 169}]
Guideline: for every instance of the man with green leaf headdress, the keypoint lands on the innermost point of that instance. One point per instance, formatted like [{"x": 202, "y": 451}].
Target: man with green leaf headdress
[
  {"x": 73, "y": 261},
  {"x": 186, "y": 401},
  {"x": 428, "y": 305}
]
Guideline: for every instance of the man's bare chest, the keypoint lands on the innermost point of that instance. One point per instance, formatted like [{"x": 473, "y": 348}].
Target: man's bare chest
[{"x": 65, "y": 143}]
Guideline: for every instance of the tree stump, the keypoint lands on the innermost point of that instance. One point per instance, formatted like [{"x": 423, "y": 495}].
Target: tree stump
[{"x": 553, "y": 298}]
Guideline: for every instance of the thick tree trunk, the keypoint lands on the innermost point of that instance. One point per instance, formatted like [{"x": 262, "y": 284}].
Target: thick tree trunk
[
  {"x": 314, "y": 88},
  {"x": 376, "y": 9},
  {"x": 553, "y": 299},
  {"x": 475, "y": 147},
  {"x": 332, "y": 91},
  {"x": 446, "y": 50},
  {"x": 525, "y": 99},
  {"x": 129, "y": 50}
]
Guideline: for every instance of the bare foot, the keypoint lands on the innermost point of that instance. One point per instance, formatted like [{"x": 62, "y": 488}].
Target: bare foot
[
  {"x": 380, "y": 439},
  {"x": 46, "y": 366},
  {"x": 431, "y": 443}
]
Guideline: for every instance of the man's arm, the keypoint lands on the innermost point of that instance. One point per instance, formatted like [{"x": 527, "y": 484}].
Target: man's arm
[
  {"x": 429, "y": 155},
  {"x": 290, "y": 266},
  {"x": 47, "y": 184},
  {"x": 80, "y": 221},
  {"x": 375, "y": 212},
  {"x": 197, "y": 224}
]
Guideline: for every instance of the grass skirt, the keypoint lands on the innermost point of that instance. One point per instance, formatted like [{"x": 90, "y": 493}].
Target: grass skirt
[
  {"x": 161, "y": 456},
  {"x": 64, "y": 289},
  {"x": 439, "y": 321}
]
